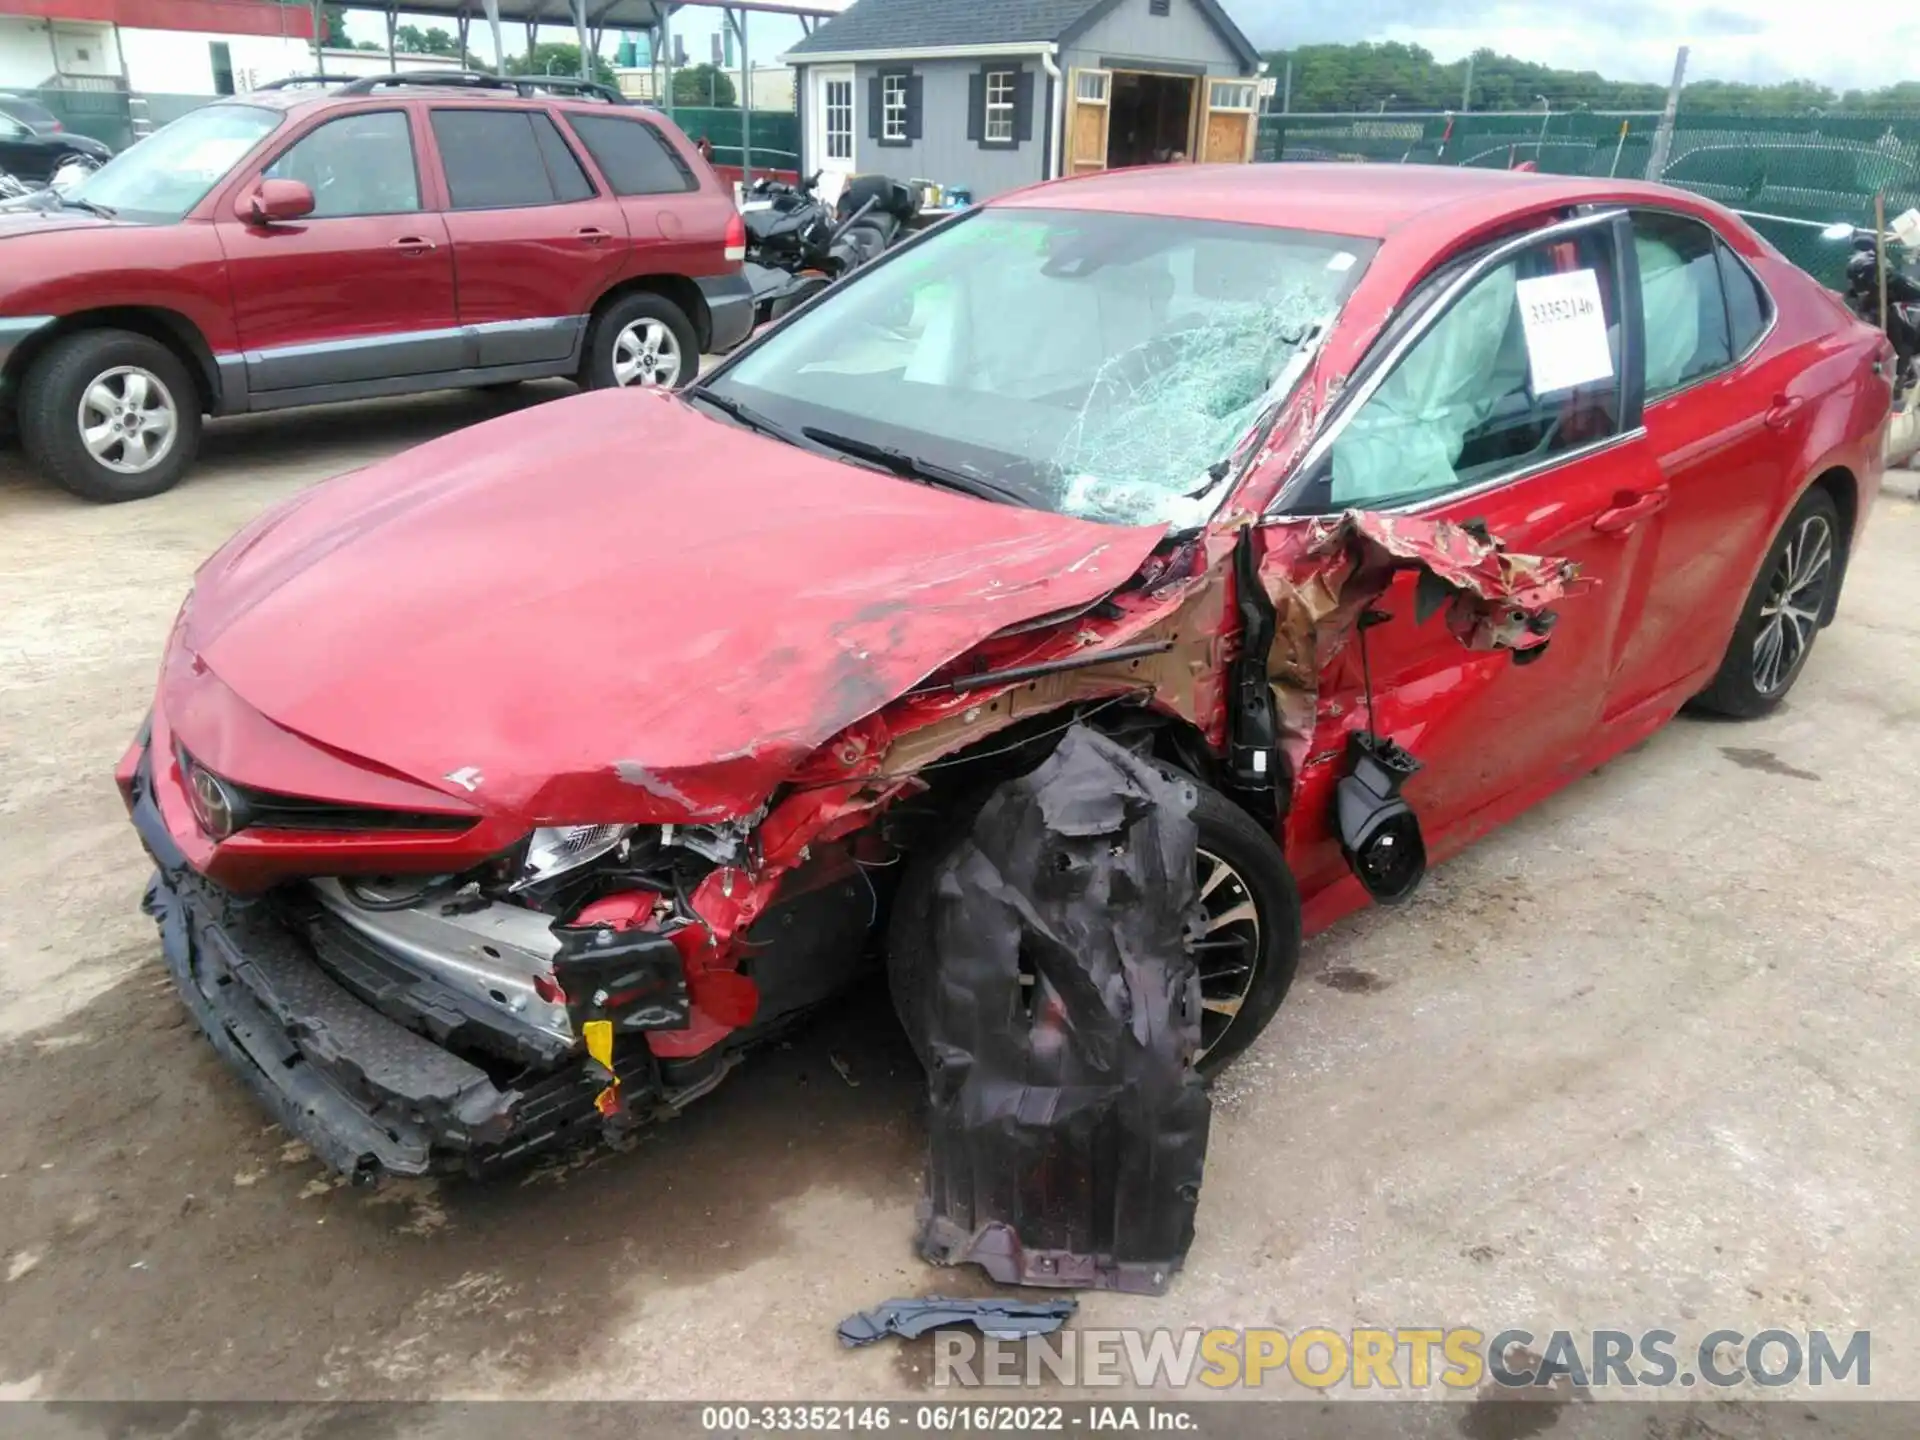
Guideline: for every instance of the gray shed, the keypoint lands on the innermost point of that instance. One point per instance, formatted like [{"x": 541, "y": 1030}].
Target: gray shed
[{"x": 995, "y": 94}]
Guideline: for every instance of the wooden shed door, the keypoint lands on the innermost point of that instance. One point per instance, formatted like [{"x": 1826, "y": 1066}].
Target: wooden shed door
[
  {"x": 1087, "y": 123},
  {"x": 1230, "y": 121}
]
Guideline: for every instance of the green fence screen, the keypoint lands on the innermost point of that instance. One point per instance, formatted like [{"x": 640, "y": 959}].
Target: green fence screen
[{"x": 1788, "y": 175}]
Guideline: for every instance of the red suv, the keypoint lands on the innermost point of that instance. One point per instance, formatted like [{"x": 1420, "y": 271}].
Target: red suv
[{"x": 401, "y": 233}]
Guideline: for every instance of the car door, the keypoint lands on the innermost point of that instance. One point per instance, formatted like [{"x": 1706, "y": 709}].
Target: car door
[
  {"x": 535, "y": 243},
  {"x": 361, "y": 289},
  {"x": 1724, "y": 420},
  {"x": 1476, "y": 414},
  {"x": 650, "y": 179}
]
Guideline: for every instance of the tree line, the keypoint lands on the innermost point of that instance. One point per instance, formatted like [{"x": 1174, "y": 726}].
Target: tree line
[{"x": 1398, "y": 76}]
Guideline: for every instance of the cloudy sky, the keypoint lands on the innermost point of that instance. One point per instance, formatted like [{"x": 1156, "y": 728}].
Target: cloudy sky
[{"x": 1757, "y": 40}]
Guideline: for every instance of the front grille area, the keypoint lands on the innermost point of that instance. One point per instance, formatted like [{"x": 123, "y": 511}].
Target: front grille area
[{"x": 265, "y": 810}]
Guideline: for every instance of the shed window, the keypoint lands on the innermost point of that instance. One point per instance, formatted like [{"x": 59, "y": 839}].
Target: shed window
[
  {"x": 1230, "y": 95},
  {"x": 893, "y": 108},
  {"x": 1001, "y": 86}
]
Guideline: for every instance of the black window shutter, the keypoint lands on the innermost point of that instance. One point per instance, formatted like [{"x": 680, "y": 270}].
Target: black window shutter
[
  {"x": 1023, "y": 106},
  {"x": 913, "y": 107},
  {"x": 874, "y": 102},
  {"x": 977, "y": 105}
]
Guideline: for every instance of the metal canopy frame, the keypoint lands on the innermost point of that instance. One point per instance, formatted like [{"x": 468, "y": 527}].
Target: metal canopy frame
[{"x": 590, "y": 20}]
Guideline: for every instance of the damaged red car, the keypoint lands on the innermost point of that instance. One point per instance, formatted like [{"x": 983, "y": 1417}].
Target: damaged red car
[{"x": 511, "y": 789}]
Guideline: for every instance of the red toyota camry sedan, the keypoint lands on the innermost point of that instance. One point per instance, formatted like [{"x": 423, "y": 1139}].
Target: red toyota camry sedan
[{"x": 509, "y": 789}]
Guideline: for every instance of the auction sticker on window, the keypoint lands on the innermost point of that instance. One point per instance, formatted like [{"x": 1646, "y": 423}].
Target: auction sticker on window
[{"x": 1566, "y": 330}]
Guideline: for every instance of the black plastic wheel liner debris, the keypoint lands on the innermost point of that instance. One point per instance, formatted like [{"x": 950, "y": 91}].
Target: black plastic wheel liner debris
[{"x": 1068, "y": 1129}]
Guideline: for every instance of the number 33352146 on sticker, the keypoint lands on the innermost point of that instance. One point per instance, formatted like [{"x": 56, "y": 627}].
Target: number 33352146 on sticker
[{"x": 1566, "y": 330}]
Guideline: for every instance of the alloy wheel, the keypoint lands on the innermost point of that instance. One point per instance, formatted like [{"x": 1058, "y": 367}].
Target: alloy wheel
[
  {"x": 1796, "y": 597},
  {"x": 646, "y": 353},
  {"x": 1227, "y": 947},
  {"x": 128, "y": 419}
]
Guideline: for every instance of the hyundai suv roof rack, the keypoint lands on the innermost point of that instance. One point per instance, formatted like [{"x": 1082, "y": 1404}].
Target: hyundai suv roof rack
[
  {"x": 287, "y": 82},
  {"x": 443, "y": 79},
  {"x": 525, "y": 86}
]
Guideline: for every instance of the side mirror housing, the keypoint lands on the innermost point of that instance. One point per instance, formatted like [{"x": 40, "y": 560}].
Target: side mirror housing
[{"x": 273, "y": 202}]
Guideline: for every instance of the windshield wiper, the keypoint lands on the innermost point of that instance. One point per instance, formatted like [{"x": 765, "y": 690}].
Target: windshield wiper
[
  {"x": 912, "y": 467},
  {"x": 80, "y": 202},
  {"x": 749, "y": 417}
]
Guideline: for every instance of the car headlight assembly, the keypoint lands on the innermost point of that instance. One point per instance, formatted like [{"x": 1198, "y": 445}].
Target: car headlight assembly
[{"x": 556, "y": 851}]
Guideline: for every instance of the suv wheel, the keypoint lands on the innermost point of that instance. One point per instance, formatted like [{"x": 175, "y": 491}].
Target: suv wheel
[
  {"x": 644, "y": 340},
  {"x": 110, "y": 414}
]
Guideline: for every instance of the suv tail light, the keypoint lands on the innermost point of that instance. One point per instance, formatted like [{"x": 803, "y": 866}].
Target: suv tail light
[
  {"x": 736, "y": 237},
  {"x": 56, "y": 128}
]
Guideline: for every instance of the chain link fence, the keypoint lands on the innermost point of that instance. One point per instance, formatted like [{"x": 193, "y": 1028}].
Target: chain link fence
[{"x": 1788, "y": 175}]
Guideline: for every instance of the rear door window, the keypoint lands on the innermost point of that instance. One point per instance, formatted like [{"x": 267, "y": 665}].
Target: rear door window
[
  {"x": 1749, "y": 309},
  {"x": 635, "y": 157},
  {"x": 504, "y": 159},
  {"x": 1680, "y": 297}
]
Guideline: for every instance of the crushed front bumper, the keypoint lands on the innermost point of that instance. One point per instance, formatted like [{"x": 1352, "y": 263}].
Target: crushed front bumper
[{"x": 368, "y": 1096}]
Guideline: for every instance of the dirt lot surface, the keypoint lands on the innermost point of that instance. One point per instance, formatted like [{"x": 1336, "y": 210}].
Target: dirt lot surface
[{"x": 1644, "y": 1058}]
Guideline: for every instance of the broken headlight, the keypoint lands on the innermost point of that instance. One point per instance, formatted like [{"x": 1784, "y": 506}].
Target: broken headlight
[{"x": 555, "y": 851}]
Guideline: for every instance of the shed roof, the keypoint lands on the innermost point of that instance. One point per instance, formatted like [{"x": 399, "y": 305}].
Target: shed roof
[{"x": 889, "y": 26}]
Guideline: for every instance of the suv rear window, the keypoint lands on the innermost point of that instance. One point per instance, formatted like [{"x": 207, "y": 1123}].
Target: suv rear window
[
  {"x": 635, "y": 157},
  {"x": 500, "y": 159}
]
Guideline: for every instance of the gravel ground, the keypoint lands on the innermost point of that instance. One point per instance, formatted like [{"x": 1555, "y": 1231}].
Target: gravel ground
[{"x": 1642, "y": 1058}]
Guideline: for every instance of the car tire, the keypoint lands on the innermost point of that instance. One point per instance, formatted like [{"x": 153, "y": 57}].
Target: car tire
[
  {"x": 1254, "y": 870},
  {"x": 1770, "y": 646},
  {"x": 122, "y": 380},
  {"x": 627, "y": 345}
]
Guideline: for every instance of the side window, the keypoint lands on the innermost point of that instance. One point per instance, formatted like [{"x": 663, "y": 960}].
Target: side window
[
  {"x": 359, "y": 164},
  {"x": 563, "y": 166},
  {"x": 497, "y": 160},
  {"x": 635, "y": 157},
  {"x": 1685, "y": 313},
  {"x": 12, "y": 129},
  {"x": 1522, "y": 366},
  {"x": 1749, "y": 308}
]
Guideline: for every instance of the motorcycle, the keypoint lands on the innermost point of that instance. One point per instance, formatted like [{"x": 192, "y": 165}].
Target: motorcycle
[
  {"x": 1903, "y": 297},
  {"x": 797, "y": 246}
]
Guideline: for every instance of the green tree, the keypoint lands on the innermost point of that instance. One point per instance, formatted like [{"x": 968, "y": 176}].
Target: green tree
[
  {"x": 431, "y": 41},
  {"x": 333, "y": 21},
  {"x": 704, "y": 84},
  {"x": 557, "y": 59}
]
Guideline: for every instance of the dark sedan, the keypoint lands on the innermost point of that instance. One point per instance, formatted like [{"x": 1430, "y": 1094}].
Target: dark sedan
[{"x": 33, "y": 154}]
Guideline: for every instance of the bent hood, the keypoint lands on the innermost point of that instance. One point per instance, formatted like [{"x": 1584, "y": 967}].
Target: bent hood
[{"x": 614, "y": 608}]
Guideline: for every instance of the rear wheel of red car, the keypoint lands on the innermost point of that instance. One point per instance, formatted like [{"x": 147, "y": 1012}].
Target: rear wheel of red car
[
  {"x": 1246, "y": 953},
  {"x": 110, "y": 414},
  {"x": 641, "y": 340},
  {"x": 1783, "y": 613}
]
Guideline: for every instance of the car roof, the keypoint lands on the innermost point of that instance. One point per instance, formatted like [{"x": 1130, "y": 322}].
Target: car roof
[
  {"x": 23, "y": 105},
  {"x": 1361, "y": 200}
]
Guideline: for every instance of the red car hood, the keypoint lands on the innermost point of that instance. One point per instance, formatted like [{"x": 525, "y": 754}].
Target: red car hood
[
  {"x": 615, "y": 608},
  {"x": 27, "y": 221}
]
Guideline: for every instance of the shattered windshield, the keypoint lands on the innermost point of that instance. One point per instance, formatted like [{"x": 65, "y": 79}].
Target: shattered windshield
[{"x": 1102, "y": 365}]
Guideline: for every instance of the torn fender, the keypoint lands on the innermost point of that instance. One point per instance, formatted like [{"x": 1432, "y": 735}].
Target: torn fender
[{"x": 1322, "y": 575}]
